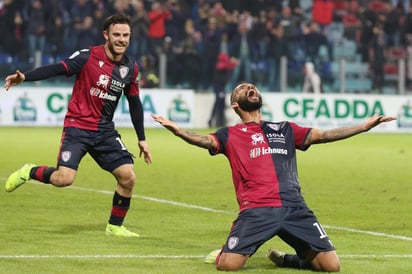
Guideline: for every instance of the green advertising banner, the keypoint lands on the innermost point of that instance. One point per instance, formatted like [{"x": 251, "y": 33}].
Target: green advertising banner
[
  {"x": 47, "y": 106},
  {"x": 38, "y": 106}
]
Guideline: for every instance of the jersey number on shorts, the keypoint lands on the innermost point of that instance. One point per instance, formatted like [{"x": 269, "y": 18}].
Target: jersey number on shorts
[
  {"x": 121, "y": 143},
  {"x": 321, "y": 230}
]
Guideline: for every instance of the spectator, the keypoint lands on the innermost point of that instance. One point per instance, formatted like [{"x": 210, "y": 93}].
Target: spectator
[
  {"x": 36, "y": 28},
  {"x": 232, "y": 23},
  {"x": 369, "y": 20},
  {"x": 377, "y": 61},
  {"x": 194, "y": 10},
  {"x": 175, "y": 23},
  {"x": 322, "y": 12},
  {"x": 219, "y": 13},
  {"x": 314, "y": 39},
  {"x": 402, "y": 5},
  {"x": 238, "y": 5},
  {"x": 406, "y": 28},
  {"x": 55, "y": 27},
  {"x": 407, "y": 43},
  {"x": 295, "y": 8},
  {"x": 223, "y": 70},
  {"x": 174, "y": 66},
  {"x": 289, "y": 22},
  {"x": 77, "y": 22},
  {"x": 312, "y": 82},
  {"x": 100, "y": 13},
  {"x": 242, "y": 50},
  {"x": 82, "y": 33},
  {"x": 123, "y": 7},
  {"x": 140, "y": 24},
  {"x": 260, "y": 35},
  {"x": 10, "y": 16},
  {"x": 202, "y": 19},
  {"x": 191, "y": 58},
  {"x": 278, "y": 46},
  {"x": 268, "y": 5},
  {"x": 211, "y": 41},
  {"x": 148, "y": 78},
  {"x": 157, "y": 27},
  {"x": 391, "y": 25},
  {"x": 409, "y": 64}
]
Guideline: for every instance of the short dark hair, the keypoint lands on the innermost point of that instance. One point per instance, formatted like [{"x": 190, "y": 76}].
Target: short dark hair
[{"x": 116, "y": 19}]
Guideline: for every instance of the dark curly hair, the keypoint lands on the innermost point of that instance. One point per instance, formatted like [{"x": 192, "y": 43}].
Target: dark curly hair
[{"x": 116, "y": 19}]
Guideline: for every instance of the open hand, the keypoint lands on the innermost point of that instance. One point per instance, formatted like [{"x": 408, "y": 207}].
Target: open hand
[
  {"x": 14, "y": 80},
  {"x": 376, "y": 119}
]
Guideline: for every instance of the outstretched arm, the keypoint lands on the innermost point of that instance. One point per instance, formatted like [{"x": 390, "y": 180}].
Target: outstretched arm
[
  {"x": 36, "y": 74},
  {"x": 317, "y": 136},
  {"x": 14, "y": 79},
  {"x": 203, "y": 141}
]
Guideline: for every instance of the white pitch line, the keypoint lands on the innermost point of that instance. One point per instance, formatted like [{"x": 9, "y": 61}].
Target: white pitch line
[
  {"x": 102, "y": 256},
  {"x": 159, "y": 200},
  {"x": 368, "y": 256},
  {"x": 379, "y": 234},
  {"x": 136, "y": 256}
]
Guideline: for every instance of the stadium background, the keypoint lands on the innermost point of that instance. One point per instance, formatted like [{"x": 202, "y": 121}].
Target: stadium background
[
  {"x": 356, "y": 46},
  {"x": 359, "y": 188}
]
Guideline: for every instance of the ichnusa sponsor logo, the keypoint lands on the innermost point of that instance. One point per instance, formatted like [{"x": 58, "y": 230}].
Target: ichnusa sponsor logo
[
  {"x": 260, "y": 151},
  {"x": 102, "y": 94}
]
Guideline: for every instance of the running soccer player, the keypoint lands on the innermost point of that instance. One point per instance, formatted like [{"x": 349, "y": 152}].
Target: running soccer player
[
  {"x": 262, "y": 157},
  {"x": 103, "y": 74}
]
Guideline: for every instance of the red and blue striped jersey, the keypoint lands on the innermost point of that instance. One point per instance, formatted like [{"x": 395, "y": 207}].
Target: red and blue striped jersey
[
  {"x": 99, "y": 84},
  {"x": 263, "y": 162}
]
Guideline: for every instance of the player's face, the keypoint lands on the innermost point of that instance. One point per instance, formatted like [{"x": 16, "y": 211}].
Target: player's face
[
  {"x": 117, "y": 39},
  {"x": 247, "y": 96}
]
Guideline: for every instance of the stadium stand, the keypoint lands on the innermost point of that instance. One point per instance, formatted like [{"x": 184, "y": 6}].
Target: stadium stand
[{"x": 343, "y": 26}]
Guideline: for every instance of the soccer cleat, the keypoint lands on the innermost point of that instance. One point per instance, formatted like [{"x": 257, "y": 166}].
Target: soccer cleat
[
  {"x": 115, "y": 230},
  {"x": 211, "y": 257},
  {"x": 277, "y": 257},
  {"x": 19, "y": 177}
]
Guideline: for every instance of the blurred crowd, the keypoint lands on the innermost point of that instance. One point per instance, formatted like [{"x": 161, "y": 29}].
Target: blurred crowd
[{"x": 192, "y": 33}]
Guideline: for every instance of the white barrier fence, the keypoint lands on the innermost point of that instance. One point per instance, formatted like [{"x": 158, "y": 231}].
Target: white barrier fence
[{"x": 46, "y": 106}]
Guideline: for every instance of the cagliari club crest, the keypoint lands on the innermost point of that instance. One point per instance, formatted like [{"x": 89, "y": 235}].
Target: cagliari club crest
[
  {"x": 66, "y": 155},
  {"x": 123, "y": 71},
  {"x": 232, "y": 242}
]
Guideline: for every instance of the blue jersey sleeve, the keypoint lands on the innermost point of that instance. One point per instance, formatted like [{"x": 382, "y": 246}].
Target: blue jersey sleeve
[
  {"x": 76, "y": 61},
  {"x": 45, "y": 72}
]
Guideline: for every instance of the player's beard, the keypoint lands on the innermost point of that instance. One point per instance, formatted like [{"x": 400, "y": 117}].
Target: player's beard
[
  {"x": 112, "y": 49},
  {"x": 247, "y": 105}
]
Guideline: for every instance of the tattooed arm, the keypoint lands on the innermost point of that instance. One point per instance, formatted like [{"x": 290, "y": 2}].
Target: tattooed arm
[
  {"x": 317, "y": 136},
  {"x": 203, "y": 141}
]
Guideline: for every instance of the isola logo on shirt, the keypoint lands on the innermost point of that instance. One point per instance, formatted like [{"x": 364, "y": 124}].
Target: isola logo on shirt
[
  {"x": 276, "y": 138},
  {"x": 117, "y": 86}
]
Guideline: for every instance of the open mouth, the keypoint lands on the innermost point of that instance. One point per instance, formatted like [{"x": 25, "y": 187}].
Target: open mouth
[
  {"x": 252, "y": 95},
  {"x": 120, "y": 45}
]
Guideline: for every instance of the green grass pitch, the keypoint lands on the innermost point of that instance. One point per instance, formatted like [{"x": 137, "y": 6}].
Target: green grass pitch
[{"x": 184, "y": 204}]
